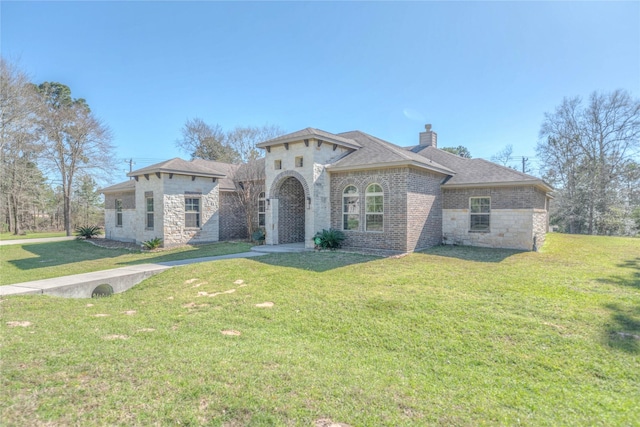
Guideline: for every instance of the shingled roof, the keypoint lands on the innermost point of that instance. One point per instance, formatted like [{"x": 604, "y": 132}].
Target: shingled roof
[
  {"x": 182, "y": 167},
  {"x": 477, "y": 172},
  {"x": 129, "y": 185},
  {"x": 310, "y": 133},
  {"x": 375, "y": 152}
]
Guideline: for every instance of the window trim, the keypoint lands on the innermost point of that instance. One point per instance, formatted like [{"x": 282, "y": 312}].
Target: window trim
[
  {"x": 197, "y": 213},
  {"x": 277, "y": 164},
  {"x": 487, "y": 229},
  {"x": 367, "y": 195},
  {"x": 299, "y": 161},
  {"x": 355, "y": 195},
  {"x": 149, "y": 212},
  {"x": 118, "y": 206}
]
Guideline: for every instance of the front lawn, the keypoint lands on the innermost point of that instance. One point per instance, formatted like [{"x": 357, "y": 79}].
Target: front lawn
[
  {"x": 35, "y": 261},
  {"x": 452, "y": 336},
  {"x": 32, "y": 235}
]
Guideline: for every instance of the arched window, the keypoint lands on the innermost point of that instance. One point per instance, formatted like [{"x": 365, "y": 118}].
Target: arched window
[
  {"x": 350, "y": 208},
  {"x": 261, "y": 210},
  {"x": 374, "y": 208}
]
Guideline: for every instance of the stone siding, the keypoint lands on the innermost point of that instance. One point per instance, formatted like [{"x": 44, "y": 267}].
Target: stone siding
[
  {"x": 540, "y": 226},
  {"x": 424, "y": 209},
  {"x": 176, "y": 190},
  {"x": 509, "y": 228},
  {"x": 314, "y": 178},
  {"x": 155, "y": 186},
  {"x": 232, "y": 218},
  {"x": 126, "y": 232},
  {"x": 394, "y": 183}
]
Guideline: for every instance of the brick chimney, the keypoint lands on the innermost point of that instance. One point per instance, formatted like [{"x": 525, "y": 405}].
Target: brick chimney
[{"x": 429, "y": 138}]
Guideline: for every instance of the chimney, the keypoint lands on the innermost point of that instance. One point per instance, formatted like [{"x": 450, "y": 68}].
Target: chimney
[{"x": 429, "y": 138}]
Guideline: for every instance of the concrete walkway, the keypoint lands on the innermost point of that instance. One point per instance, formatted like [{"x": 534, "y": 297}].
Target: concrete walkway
[
  {"x": 38, "y": 240},
  {"x": 119, "y": 279}
]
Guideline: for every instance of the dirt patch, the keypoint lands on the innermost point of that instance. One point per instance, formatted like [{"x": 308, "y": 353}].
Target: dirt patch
[
  {"x": 215, "y": 294},
  {"x": 89, "y": 305},
  {"x": 231, "y": 332},
  {"x": 170, "y": 298},
  {"x": 129, "y": 312},
  {"x": 115, "y": 337},
  {"x": 189, "y": 305},
  {"x": 146, "y": 330},
  {"x": 238, "y": 282},
  {"x": 190, "y": 281},
  {"x": 267, "y": 304},
  {"x": 22, "y": 324},
  {"x": 326, "y": 422},
  {"x": 101, "y": 315}
]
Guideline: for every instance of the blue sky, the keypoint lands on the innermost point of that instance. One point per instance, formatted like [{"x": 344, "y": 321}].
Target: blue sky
[{"x": 483, "y": 73}]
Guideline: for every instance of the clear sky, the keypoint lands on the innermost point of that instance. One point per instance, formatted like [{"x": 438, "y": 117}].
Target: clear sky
[{"x": 483, "y": 73}]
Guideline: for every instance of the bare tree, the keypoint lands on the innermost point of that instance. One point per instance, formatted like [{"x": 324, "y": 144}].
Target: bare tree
[
  {"x": 203, "y": 141},
  {"x": 504, "y": 157},
  {"x": 75, "y": 141},
  {"x": 584, "y": 152},
  {"x": 20, "y": 175}
]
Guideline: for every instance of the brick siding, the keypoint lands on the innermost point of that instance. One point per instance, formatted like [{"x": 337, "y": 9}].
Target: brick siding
[
  {"x": 424, "y": 211},
  {"x": 291, "y": 211},
  {"x": 501, "y": 197},
  {"x": 232, "y": 218}
]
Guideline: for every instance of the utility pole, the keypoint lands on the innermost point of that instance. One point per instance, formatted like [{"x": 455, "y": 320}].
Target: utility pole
[
  {"x": 524, "y": 162},
  {"x": 130, "y": 161}
]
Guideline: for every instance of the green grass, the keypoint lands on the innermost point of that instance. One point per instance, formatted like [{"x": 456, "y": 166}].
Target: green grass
[
  {"x": 26, "y": 262},
  {"x": 452, "y": 336},
  {"x": 32, "y": 235}
]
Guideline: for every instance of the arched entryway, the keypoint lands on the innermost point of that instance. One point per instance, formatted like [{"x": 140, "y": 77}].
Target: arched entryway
[{"x": 291, "y": 211}]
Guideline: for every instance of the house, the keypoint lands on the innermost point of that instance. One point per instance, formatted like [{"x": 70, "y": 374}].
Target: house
[{"x": 381, "y": 195}]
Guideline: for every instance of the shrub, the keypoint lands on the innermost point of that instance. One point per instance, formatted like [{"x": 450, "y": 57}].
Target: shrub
[
  {"x": 329, "y": 239},
  {"x": 258, "y": 235},
  {"x": 152, "y": 244},
  {"x": 88, "y": 231}
]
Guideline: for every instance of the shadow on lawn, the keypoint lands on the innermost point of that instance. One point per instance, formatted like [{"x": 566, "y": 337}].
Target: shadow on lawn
[
  {"x": 61, "y": 253},
  {"x": 315, "y": 261},
  {"x": 471, "y": 253},
  {"x": 623, "y": 332}
]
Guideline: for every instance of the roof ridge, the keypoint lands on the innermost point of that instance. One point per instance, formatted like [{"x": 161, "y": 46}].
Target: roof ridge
[{"x": 507, "y": 168}]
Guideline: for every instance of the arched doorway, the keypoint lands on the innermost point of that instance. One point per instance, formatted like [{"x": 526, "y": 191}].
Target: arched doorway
[{"x": 291, "y": 211}]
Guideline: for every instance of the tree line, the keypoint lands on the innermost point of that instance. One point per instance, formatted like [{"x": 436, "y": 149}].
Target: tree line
[{"x": 44, "y": 131}]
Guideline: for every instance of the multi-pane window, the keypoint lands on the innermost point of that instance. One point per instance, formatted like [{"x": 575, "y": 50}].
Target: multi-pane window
[
  {"x": 261, "y": 210},
  {"x": 480, "y": 212},
  {"x": 277, "y": 164},
  {"x": 350, "y": 208},
  {"x": 374, "y": 208},
  {"x": 118, "y": 213},
  {"x": 192, "y": 212},
  {"x": 299, "y": 162},
  {"x": 149, "y": 203}
]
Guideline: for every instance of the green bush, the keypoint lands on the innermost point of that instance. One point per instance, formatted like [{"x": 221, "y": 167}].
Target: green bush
[
  {"x": 329, "y": 239},
  {"x": 88, "y": 231},
  {"x": 258, "y": 235},
  {"x": 152, "y": 244}
]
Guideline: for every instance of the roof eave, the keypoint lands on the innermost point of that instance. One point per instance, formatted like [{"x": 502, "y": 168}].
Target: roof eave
[
  {"x": 314, "y": 137},
  {"x": 386, "y": 165},
  {"x": 176, "y": 172},
  {"x": 536, "y": 183}
]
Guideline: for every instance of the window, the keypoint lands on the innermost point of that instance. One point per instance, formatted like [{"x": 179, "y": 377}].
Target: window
[
  {"x": 118, "y": 213},
  {"x": 149, "y": 203},
  {"x": 374, "y": 208},
  {"x": 480, "y": 211},
  {"x": 261, "y": 210},
  {"x": 299, "y": 162},
  {"x": 192, "y": 213},
  {"x": 350, "y": 208},
  {"x": 277, "y": 164}
]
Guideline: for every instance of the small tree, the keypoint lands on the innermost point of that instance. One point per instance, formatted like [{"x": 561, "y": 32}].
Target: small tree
[{"x": 460, "y": 150}]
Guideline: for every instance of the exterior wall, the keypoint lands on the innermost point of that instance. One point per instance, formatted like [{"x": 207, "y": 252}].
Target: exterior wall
[
  {"x": 173, "y": 215},
  {"x": 394, "y": 183},
  {"x": 127, "y": 232},
  {"x": 424, "y": 209},
  {"x": 291, "y": 212},
  {"x": 314, "y": 178},
  {"x": 231, "y": 220},
  {"x": 517, "y": 215},
  {"x": 144, "y": 186}
]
